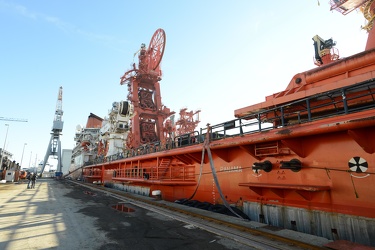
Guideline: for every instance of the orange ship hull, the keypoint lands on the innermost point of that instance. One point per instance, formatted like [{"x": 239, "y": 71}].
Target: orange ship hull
[
  {"x": 323, "y": 189},
  {"x": 324, "y": 182},
  {"x": 303, "y": 159}
]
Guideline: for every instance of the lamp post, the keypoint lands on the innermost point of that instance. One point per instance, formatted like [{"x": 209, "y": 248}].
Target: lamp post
[
  {"x": 30, "y": 159},
  {"x": 23, "y": 150},
  {"x": 3, "y": 150}
]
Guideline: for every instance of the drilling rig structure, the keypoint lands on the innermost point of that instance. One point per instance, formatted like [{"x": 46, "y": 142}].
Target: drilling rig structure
[{"x": 54, "y": 145}]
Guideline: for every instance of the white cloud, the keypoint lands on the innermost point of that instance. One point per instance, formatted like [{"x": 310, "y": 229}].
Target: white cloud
[{"x": 66, "y": 27}]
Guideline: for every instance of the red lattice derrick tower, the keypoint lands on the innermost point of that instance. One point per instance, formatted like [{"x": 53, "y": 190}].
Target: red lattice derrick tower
[
  {"x": 147, "y": 125},
  {"x": 188, "y": 122}
]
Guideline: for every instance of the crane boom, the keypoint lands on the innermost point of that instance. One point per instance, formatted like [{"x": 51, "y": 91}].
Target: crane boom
[
  {"x": 58, "y": 123},
  {"x": 12, "y": 119}
]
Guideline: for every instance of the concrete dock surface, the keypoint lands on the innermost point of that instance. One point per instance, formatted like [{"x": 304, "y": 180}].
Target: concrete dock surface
[{"x": 63, "y": 215}]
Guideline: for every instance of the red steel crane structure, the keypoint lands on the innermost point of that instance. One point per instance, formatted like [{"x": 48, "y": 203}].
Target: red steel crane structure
[{"x": 149, "y": 122}]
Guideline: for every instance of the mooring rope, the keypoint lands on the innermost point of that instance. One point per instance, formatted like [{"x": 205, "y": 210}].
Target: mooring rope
[
  {"x": 226, "y": 204},
  {"x": 200, "y": 171}
]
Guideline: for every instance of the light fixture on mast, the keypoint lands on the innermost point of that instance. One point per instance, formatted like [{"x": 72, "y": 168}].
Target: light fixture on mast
[{"x": 23, "y": 150}]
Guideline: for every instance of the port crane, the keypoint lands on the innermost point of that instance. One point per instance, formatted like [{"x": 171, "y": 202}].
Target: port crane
[
  {"x": 12, "y": 119},
  {"x": 54, "y": 145}
]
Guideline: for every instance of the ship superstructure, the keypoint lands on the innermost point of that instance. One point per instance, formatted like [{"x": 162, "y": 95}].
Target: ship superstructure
[
  {"x": 86, "y": 148},
  {"x": 115, "y": 129},
  {"x": 304, "y": 159}
]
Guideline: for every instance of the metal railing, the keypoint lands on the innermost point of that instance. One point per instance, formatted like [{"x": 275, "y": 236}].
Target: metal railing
[{"x": 177, "y": 173}]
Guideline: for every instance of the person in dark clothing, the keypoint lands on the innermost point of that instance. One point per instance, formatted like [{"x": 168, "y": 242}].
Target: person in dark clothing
[
  {"x": 28, "y": 177},
  {"x": 33, "y": 179}
]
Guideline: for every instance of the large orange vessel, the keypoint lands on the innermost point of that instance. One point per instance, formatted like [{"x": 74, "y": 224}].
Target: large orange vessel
[{"x": 304, "y": 159}]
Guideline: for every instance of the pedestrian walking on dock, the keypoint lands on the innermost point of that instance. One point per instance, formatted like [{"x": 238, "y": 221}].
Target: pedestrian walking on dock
[
  {"x": 28, "y": 177},
  {"x": 33, "y": 179}
]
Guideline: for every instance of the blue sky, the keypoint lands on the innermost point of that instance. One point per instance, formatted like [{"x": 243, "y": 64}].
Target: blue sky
[{"x": 219, "y": 56}]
